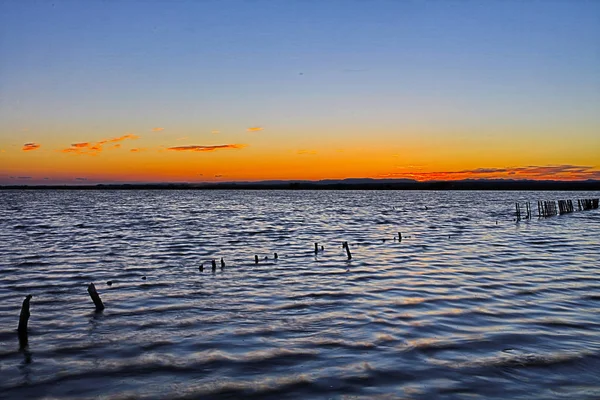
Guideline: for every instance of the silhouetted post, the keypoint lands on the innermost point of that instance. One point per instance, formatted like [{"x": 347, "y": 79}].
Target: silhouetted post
[
  {"x": 201, "y": 267},
  {"x": 214, "y": 265},
  {"x": 95, "y": 297},
  {"x": 275, "y": 256},
  {"x": 23, "y": 320},
  {"x": 347, "y": 250},
  {"x": 316, "y": 248},
  {"x": 222, "y": 263},
  {"x": 399, "y": 236},
  {"x": 255, "y": 259}
]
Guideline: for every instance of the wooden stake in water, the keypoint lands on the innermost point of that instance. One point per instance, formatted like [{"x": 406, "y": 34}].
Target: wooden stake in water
[
  {"x": 347, "y": 250},
  {"x": 214, "y": 265},
  {"x": 23, "y": 320},
  {"x": 222, "y": 263},
  {"x": 399, "y": 236},
  {"x": 255, "y": 259},
  {"x": 316, "y": 248},
  {"x": 201, "y": 267},
  {"x": 275, "y": 256},
  {"x": 95, "y": 297}
]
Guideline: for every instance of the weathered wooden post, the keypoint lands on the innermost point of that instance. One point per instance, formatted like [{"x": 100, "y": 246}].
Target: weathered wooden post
[
  {"x": 316, "y": 248},
  {"x": 255, "y": 259},
  {"x": 214, "y": 265},
  {"x": 201, "y": 267},
  {"x": 222, "y": 263},
  {"x": 399, "y": 236},
  {"x": 23, "y": 320},
  {"x": 95, "y": 297},
  {"x": 347, "y": 250},
  {"x": 275, "y": 256}
]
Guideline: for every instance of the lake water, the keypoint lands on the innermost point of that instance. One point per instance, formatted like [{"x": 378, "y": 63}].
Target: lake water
[{"x": 468, "y": 304}]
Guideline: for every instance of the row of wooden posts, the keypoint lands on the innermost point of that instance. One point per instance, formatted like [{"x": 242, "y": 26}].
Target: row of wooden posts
[
  {"x": 552, "y": 208},
  {"x": 25, "y": 314}
]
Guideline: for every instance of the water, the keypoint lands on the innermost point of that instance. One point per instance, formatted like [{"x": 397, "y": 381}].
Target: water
[{"x": 469, "y": 304}]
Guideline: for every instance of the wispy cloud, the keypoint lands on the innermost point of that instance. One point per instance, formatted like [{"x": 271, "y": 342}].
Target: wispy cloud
[
  {"x": 157, "y": 129},
  {"x": 93, "y": 149},
  {"x": 307, "y": 152},
  {"x": 538, "y": 172},
  {"x": 137, "y": 150},
  {"x": 255, "y": 129},
  {"x": 31, "y": 146},
  {"x": 207, "y": 148},
  {"x": 215, "y": 132}
]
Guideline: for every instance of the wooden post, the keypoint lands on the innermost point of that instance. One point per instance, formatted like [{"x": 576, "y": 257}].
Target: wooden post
[
  {"x": 275, "y": 256},
  {"x": 201, "y": 267},
  {"x": 255, "y": 259},
  {"x": 399, "y": 236},
  {"x": 316, "y": 248},
  {"x": 222, "y": 263},
  {"x": 95, "y": 297},
  {"x": 347, "y": 250},
  {"x": 23, "y": 320},
  {"x": 214, "y": 265}
]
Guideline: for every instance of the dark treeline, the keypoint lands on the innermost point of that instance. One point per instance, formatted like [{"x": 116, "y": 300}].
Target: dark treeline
[{"x": 353, "y": 184}]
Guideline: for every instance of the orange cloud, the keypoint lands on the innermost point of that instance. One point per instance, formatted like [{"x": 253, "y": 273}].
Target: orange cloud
[
  {"x": 157, "y": 129},
  {"x": 255, "y": 129},
  {"x": 534, "y": 172},
  {"x": 207, "y": 148},
  {"x": 94, "y": 148},
  {"x": 307, "y": 152},
  {"x": 31, "y": 146},
  {"x": 137, "y": 150},
  {"x": 215, "y": 132}
]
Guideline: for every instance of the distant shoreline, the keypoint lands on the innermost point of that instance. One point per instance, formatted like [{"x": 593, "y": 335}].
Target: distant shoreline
[{"x": 351, "y": 184}]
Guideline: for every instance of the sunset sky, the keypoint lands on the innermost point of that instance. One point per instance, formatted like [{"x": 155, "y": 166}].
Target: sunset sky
[{"x": 203, "y": 91}]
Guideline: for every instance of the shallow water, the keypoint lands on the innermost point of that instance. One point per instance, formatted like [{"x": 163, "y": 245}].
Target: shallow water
[{"x": 468, "y": 304}]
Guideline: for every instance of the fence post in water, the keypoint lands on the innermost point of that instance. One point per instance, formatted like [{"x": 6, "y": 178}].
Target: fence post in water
[
  {"x": 399, "y": 236},
  {"x": 95, "y": 297},
  {"x": 255, "y": 259},
  {"x": 316, "y": 247},
  {"x": 345, "y": 245},
  {"x": 275, "y": 256},
  {"x": 222, "y": 263},
  {"x": 23, "y": 320}
]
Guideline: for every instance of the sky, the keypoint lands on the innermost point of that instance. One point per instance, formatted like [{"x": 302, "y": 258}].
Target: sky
[{"x": 208, "y": 91}]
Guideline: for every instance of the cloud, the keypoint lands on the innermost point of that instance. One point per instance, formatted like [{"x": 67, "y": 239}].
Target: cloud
[
  {"x": 81, "y": 179},
  {"x": 31, "y": 146},
  {"x": 207, "y": 148},
  {"x": 137, "y": 150},
  {"x": 307, "y": 152},
  {"x": 157, "y": 129},
  {"x": 215, "y": 132},
  {"x": 255, "y": 129},
  {"x": 536, "y": 172},
  {"x": 93, "y": 149}
]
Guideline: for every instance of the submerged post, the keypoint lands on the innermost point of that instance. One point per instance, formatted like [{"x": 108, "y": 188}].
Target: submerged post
[
  {"x": 255, "y": 259},
  {"x": 275, "y": 256},
  {"x": 399, "y": 236},
  {"x": 95, "y": 297},
  {"x": 347, "y": 250},
  {"x": 214, "y": 265},
  {"x": 222, "y": 263},
  {"x": 23, "y": 320},
  {"x": 316, "y": 247}
]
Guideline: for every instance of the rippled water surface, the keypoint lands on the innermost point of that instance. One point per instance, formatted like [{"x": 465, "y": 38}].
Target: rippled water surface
[{"x": 468, "y": 304}]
